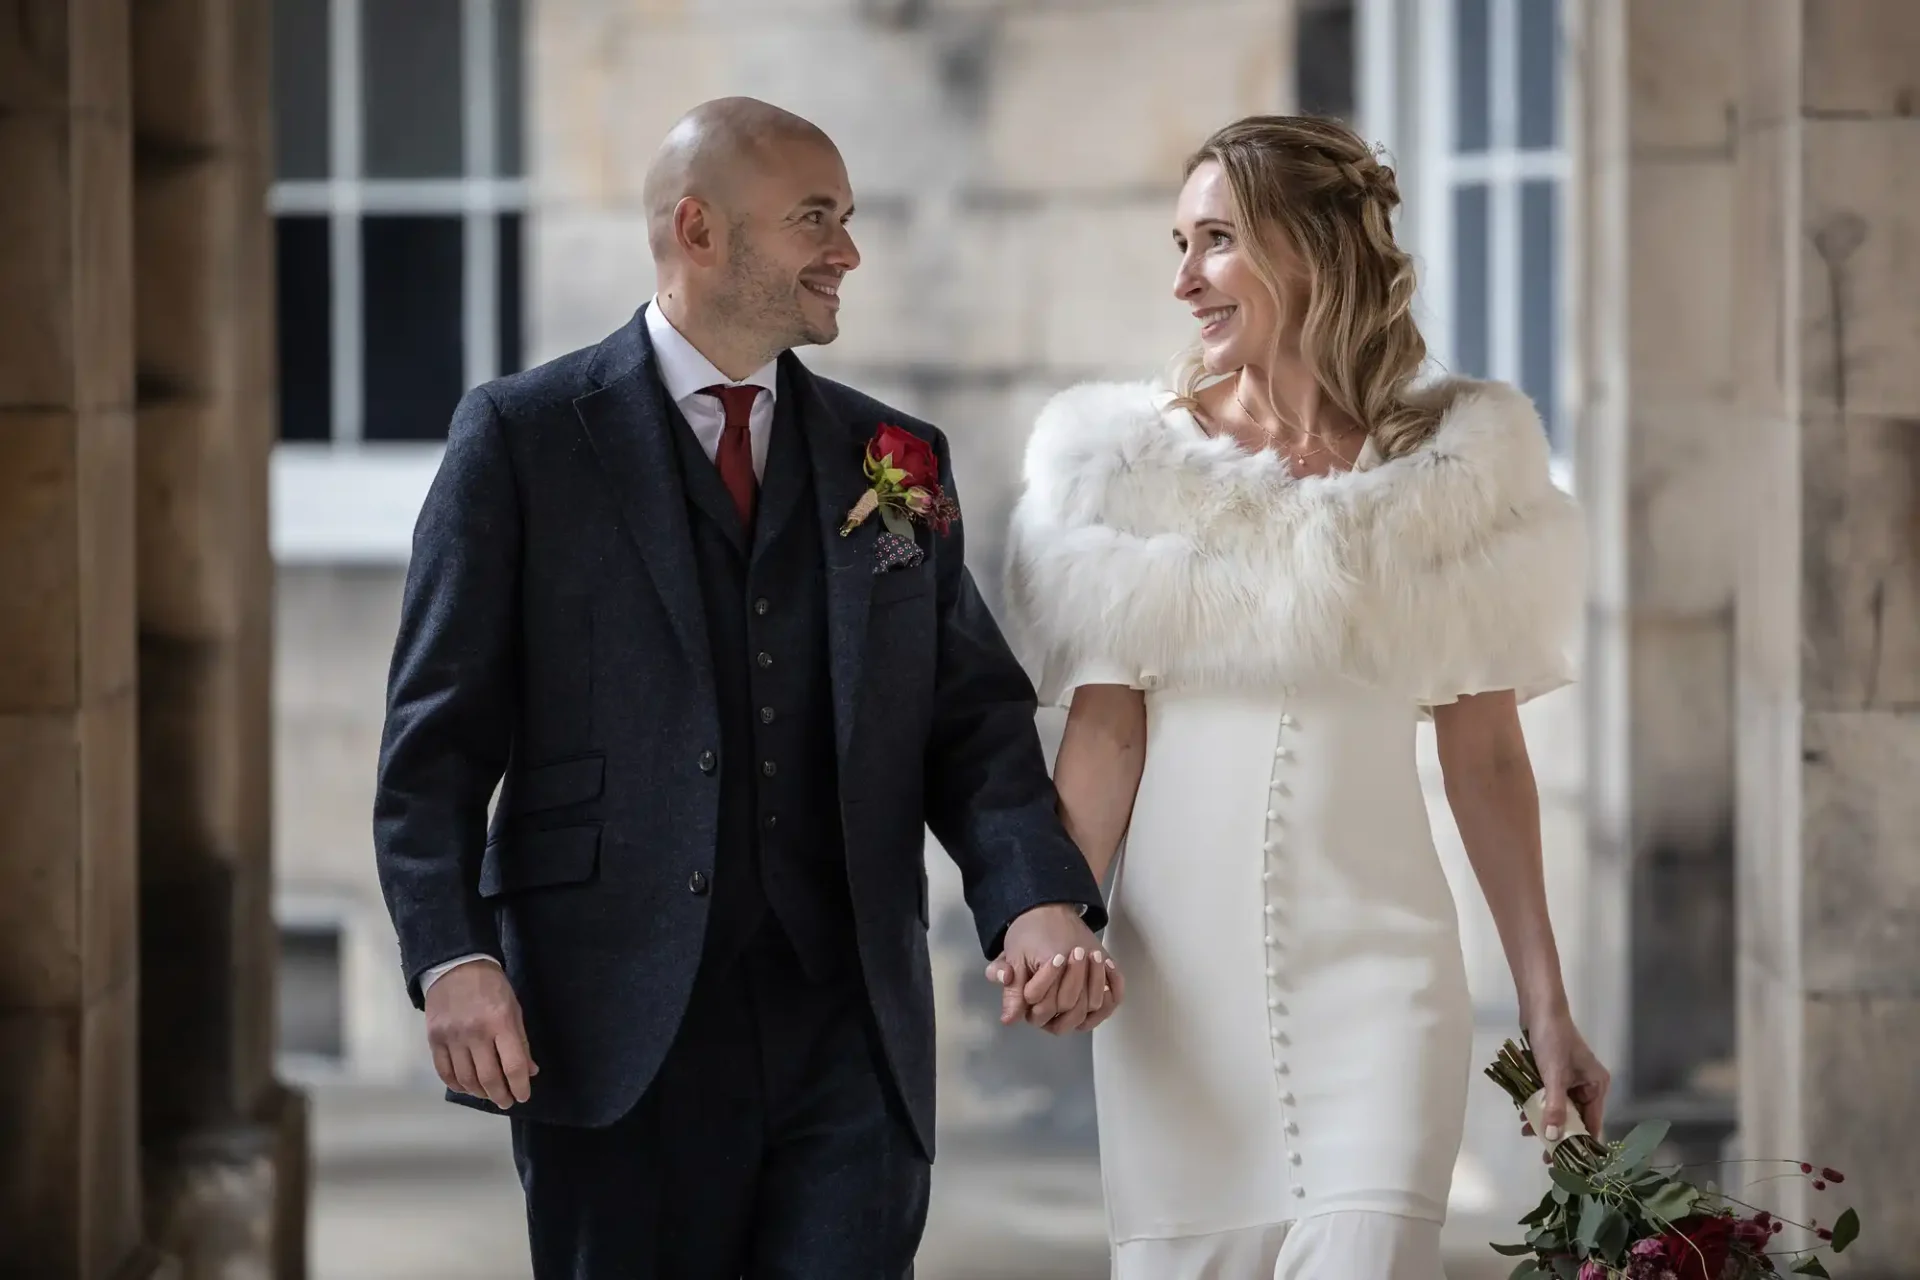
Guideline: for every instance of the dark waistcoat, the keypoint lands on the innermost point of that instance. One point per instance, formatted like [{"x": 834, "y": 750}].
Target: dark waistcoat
[{"x": 780, "y": 849}]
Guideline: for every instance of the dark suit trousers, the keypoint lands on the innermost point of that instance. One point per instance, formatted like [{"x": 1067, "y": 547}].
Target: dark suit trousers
[{"x": 771, "y": 1146}]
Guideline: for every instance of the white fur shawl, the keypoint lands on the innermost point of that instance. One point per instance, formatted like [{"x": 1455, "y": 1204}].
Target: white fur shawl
[{"x": 1142, "y": 546}]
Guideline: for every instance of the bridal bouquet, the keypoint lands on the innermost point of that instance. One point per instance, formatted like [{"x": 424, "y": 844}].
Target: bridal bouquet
[{"x": 1613, "y": 1215}]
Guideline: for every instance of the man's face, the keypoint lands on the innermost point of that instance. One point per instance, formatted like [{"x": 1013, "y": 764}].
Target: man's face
[{"x": 787, "y": 246}]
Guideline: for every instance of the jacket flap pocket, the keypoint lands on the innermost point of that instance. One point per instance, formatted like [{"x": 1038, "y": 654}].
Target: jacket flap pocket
[
  {"x": 533, "y": 859},
  {"x": 565, "y": 782}
]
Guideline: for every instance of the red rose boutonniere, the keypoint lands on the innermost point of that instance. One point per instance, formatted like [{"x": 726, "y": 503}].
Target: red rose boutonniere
[{"x": 903, "y": 485}]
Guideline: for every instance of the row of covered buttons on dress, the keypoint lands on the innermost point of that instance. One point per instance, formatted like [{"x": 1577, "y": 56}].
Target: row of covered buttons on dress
[{"x": 1272, "y": 880}]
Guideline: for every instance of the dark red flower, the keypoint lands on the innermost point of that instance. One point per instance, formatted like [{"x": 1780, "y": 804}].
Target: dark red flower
[
  {"x": 1833, "y": 1175},
  {"x": 1698, "y": 1246},
  {"x": 1819, "y": 1185},
  {"x": 910, "y": 454},
  {"x": 1824, "y": 1234},
  {"x": 1805, "y": 1167}
]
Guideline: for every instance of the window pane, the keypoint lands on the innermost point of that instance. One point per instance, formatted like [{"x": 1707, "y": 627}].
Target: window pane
[
  {"x": 1539, "y": 296},
  {"x": 1539, "y": 73},
  {"x": 1472, "y": 74},
  {"x": 1470, "y": 289},
  {"x": 1324, "y": 60},
  {"x": 309, "y": 1007},
  {"x": 410, "y": 57},
  {"x": 510, "y": 108},
  {"x": 304, "y": 257},
  {"x": 414, "y": 366},
  {"x": 510, "y": 319},
  {"x": 300, "y": 88}
]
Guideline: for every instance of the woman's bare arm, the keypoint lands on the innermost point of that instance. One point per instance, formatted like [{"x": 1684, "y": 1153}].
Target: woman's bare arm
[{"x": 1097, "y": 771}]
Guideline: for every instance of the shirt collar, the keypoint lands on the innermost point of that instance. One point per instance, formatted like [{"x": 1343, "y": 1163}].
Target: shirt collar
[{"x": 685, "y": 372}]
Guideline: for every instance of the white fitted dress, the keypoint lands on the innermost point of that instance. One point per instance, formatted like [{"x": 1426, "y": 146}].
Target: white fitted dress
[{"x": 1284, "y": 1091}]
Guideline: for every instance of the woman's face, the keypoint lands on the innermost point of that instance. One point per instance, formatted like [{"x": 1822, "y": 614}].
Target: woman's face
[{"x": 1237, "y": 314}]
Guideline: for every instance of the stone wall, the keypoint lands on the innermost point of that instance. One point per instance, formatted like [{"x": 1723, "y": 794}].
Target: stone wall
[
  {"x": 1829, "y": 607},
  {"x": 70, "y": 1196}
]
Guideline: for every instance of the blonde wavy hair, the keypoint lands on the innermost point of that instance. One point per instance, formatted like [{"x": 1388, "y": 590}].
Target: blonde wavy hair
[{"x": 1314, "y": 182}]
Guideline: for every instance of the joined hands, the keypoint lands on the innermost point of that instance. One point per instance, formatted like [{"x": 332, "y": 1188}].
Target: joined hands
[{"x": 1053, "y": 973}]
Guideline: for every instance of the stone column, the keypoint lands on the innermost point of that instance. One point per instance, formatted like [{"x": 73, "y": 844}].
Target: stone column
[
  {"x": 70, "y": 1199},
  {"x": 1829, "y": 687},
  {"x": 1660, "y": 456},
  {"x": 225, "y": 1140}
]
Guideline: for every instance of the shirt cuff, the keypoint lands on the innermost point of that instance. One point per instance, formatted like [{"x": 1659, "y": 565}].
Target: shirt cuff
[{"x": 439, "y": 971}]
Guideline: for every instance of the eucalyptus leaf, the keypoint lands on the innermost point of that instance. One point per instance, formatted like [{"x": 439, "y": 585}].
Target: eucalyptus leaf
[
  {"x": 897, "y": 523},
  {"x": 1671, "y": 1202},
  {"x": 1612, "y": 1236},
  {"x": 1638, "y": 1147},
  {"x": 1569, "y": 1181},
  {"x": 1811, "y": 1267},
  {"x": 1593, "y": 1212},
  {"x": 1511, "y": 1250},
  {"x": 1528, "y": 1270},
  {"x": 1846, "y": 1231},
  {"x": 1539, "y": 1212},
  {"x": 1566, "y": 1269}
]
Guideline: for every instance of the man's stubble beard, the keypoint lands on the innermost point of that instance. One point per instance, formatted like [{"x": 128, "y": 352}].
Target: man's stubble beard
[{"x": 758, "y": 299}]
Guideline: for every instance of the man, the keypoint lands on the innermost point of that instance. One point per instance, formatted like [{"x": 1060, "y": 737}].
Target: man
[{"x": 700, "y": 905}]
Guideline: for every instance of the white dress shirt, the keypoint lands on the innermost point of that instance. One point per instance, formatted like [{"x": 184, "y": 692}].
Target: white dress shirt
[{"x": 685, "y": 373}]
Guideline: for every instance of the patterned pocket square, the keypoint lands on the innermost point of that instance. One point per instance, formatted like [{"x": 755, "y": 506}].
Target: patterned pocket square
[{"x": 891, "y": 551}]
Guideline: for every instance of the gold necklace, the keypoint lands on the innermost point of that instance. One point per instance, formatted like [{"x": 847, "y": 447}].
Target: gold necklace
[{"x": 1289, "y": 451}]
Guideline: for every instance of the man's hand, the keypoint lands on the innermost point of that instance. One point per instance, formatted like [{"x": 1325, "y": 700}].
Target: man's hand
[
  {"x": 1053, "y": 973},
  {"x": 479, "y": 1041}
]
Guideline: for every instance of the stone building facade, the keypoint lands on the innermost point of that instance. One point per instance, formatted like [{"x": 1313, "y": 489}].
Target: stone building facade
[{"x": 1687, "y": 229}]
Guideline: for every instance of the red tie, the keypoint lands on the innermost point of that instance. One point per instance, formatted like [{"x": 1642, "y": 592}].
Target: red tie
[{"x": 734, "y": 457}]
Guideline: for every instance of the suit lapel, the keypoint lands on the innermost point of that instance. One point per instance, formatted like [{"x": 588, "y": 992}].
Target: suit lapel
[
  {"x": 836, "y": 454},
  {"x": 630, "y": 426}
]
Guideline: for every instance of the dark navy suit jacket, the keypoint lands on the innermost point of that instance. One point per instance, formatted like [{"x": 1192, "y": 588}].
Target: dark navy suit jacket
[{"x": 552, "y": 635}]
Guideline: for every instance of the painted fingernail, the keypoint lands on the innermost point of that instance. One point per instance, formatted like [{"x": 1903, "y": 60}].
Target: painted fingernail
[
  {"x": 1553, "y": 1133},
  {"x": 999, "y": 975},
  {"x": 1058, "y": 961},
  {"x": 1109, "y": 964},
  {"x": 1079, "y": 954},
  {"x": 1098, "y": 957}
]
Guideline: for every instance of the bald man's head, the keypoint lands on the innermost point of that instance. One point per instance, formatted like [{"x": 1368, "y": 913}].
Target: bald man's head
[
  {"x": 710, "y": 154},
  {"x": 747, "y": 207}
]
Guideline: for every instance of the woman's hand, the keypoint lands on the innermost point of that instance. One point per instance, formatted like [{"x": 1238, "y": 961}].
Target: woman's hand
[{"x": 1571, "y": 1074}]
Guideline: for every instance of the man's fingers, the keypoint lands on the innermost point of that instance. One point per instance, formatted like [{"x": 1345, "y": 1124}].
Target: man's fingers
[
  {"x": 493, "y": 1081},
  {"x": 465, "y": 1078},
  {"x": 1096, "y": 982},
  {"x": 515, "y": 1064},
  {"x": 1013, "y": 980},
  {"x": 1047, "y": 982},
  {"x": 443, "y": 1067}
]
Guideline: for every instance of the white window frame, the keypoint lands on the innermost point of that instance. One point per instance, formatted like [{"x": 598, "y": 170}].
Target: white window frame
[
  {"x": 349, "y": 499},
  {"x": 1407, "y": 103}
]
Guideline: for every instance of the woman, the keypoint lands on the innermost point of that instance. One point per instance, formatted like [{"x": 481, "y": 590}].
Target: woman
[{"x": 1249, "y": 588}]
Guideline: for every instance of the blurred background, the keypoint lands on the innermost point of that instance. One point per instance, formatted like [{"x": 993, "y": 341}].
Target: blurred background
[{"x": 252, "y": 252}]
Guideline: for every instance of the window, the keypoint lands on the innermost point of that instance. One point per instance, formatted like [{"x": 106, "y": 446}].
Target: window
[
  {"x": 310, "y": 1005},
  {"x": 398, "y": 211},
  {"x": 1470, "y": 97}
]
